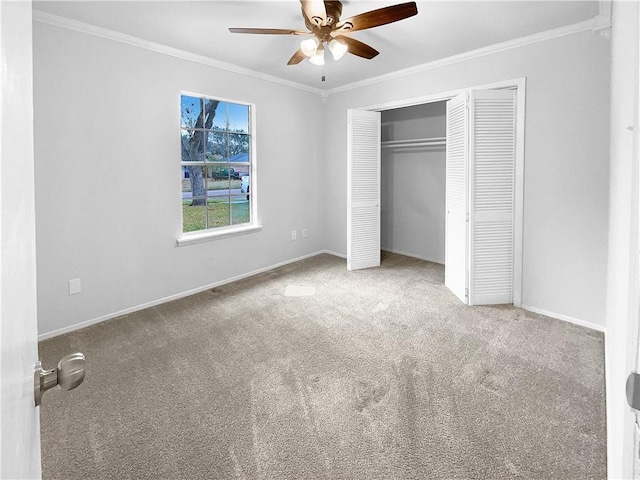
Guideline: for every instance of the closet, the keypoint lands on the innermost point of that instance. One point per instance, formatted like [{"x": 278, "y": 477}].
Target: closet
[
  {"x": 412, "y": 181},
  {"x": 402, "y": 196}
]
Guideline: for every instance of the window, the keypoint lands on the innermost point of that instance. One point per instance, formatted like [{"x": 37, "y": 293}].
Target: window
[{"x": 216, "y": 164}]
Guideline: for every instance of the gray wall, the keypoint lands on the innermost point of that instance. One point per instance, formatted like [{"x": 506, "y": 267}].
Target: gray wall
[
  {"x": 106, "y": 117},
  {"x": 107, "y": 156},
  {"x": 412, "y": 183},
  {"x": 566, "y": 186}
]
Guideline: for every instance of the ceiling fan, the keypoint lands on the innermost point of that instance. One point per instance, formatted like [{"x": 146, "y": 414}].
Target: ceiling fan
[{"x": 322, "y": 19}]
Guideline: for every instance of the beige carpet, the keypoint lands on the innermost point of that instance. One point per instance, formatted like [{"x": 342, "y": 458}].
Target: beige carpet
[{"x": 313, "y": 372}]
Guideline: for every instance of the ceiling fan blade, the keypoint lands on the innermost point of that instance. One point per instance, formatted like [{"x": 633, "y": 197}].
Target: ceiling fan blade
[
  {"x": 269, "y": 31},
  {"x": 378, "y": 17},
  {"x": 296, "y": 58},
  {"x": 314, "y": 11},
  {"x": 356, "y": 47}
]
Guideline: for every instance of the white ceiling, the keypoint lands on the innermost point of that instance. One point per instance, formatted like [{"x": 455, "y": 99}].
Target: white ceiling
[{"x": 441, "y": 29}]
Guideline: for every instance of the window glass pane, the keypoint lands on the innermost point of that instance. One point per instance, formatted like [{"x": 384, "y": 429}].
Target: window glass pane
[
  {"x": 193, "y": 145},
  {"x": 245, "y": 183},
  {"x": 219, "y": 173},
  {"x": 217, "y": 181},
  {"x": 238, "y": 148},
  {"x": 218, "y": 211},
  {"x": 192, "y": 182},
  {"x": 213, "y": 109},
  {"x": 191, "y": 112},
  {"x": 193, "y": 214},
  {"x": 220, "y": 120},
  {"x": 184, "y": 140},
  {"x": 217, "y": 147},
  {"x": 239, "y": 210},
  {"x": 238, "y": 118},
  {"x": 241, "y": 170},
  {"x": 235, "y": 181}
]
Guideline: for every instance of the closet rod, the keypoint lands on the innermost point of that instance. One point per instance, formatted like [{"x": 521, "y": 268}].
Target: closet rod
[{"x": 417, "y": 142}]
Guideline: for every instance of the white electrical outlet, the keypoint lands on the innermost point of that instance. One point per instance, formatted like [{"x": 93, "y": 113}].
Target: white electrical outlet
[
  {"x": 305, "y": 233},
  {"x": 75, "y": 286},
  {"x": 294, "y": 234}
]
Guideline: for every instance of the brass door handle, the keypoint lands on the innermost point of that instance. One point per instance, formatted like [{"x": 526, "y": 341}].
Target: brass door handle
[{"x": 68, "y": 375}]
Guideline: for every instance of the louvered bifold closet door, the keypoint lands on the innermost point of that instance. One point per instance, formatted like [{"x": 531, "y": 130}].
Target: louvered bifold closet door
[
  {"x": 455, "y": 274},
  {"x": 363, "y": 189},
  {"x": 491, "y": 199}
]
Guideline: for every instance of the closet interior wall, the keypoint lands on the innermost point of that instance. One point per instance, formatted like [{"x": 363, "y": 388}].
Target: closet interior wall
[{"x": 412, "y": 185}]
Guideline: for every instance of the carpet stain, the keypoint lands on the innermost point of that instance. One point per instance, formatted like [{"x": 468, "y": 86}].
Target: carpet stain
[
  {"x": 369, "y": 394},
  {"x": 490, "y": 381}
]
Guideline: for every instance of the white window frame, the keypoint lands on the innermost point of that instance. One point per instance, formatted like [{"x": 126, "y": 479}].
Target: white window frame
[{"x": 199, "y": 236}]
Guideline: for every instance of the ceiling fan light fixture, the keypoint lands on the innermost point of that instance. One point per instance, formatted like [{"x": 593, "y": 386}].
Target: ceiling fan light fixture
[
  {"x": 310, "y": 46},
  {"x": 337, "y": 48},
  {"x": 318, "y": 57}
]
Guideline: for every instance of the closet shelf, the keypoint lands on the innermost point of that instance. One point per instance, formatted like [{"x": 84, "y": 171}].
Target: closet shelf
[{"x": 416, "y": 142}]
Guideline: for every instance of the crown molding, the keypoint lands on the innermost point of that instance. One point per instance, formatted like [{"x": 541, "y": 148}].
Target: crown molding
[
  {"x": 82, "y": 27},
  {"x": 597, "y": 24}
]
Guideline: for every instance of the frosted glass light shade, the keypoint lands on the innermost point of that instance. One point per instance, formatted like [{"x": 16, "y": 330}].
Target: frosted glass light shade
[
  {"x": 337, "y": 48},
  {"x": 318, "y": 58},
  {"x": 310, "y": 46}
]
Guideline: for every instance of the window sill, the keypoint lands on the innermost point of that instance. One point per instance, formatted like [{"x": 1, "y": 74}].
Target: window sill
[{"x": 207, "y": 236}]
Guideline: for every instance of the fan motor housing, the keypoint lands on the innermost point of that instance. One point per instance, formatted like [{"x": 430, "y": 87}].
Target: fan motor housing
[{"x": 333, "y": 10}]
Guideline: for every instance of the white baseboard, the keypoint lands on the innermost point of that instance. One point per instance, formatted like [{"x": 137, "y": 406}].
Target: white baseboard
[
  {"x": 126, "y": 311},
  {"x": 566, "y": 318},
  {"x": 335, "y": 254},
  {"x": 413, "y": 255}
]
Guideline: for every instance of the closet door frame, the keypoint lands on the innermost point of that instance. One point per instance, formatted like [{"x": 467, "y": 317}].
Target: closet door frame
[{"x": 519, "y": 85}]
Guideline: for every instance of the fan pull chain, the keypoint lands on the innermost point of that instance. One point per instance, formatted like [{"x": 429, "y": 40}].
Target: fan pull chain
[{"x": 323, "y": 76}]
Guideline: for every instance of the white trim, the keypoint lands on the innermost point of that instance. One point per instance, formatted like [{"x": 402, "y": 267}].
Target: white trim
[
  {"x": 412, "y": 255},
  {"x": 190, "y": 238},
  {"x": 177, "y": 296},
  {"x": 565, "y": 318},
  {"x": 600, "y": 23},
  {"x": 82, "y": 27},
  {"x": 596, "y": 24},
  {"x": 604, "y": 10},
  {"x": 215, "y": 234},
  {"x": 331, "y": 252},
  {"x": 518, "y": 207},
  {"x": 153, "y": 303},
  {"x": 444, "y": 96},
  {"x": 520, "y": 84}
]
